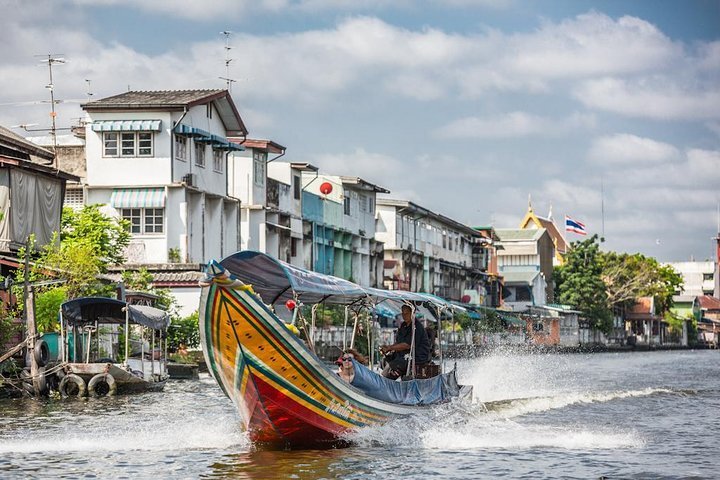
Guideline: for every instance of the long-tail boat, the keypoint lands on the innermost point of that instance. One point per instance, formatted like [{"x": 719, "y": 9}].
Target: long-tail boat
[{"x": 285, "y": 394}]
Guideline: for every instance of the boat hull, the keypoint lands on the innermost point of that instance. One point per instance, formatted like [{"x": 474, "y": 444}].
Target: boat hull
[{"x": 285, "y": 395}]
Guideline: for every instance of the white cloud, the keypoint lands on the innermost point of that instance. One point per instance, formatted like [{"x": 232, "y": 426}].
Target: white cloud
[
  {"x": 624, "y": 148},
  {"x": 512, "y": 125},
  {"x": 658, "y": 98},
  {"x": 590, "y": 44},
  {"x": 372, "y": 167}
]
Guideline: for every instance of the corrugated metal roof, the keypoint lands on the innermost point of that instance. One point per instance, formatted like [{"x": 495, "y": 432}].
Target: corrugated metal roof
[{"x": 517, "y": 234}]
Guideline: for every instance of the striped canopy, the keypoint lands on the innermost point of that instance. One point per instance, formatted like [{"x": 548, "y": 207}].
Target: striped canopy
[{"x": 138, "y": 198}]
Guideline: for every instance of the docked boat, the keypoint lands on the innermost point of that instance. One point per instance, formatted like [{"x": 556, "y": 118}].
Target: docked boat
[
  {"x": 109, "y": 346},
  {"x": 285, "y": 394}
]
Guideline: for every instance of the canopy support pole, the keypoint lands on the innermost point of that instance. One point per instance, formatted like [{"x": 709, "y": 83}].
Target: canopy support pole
[
  {"x": 345, "y": 328},
  {"x": 355, "y": 323},
  {"x": 127, "y": 335}
]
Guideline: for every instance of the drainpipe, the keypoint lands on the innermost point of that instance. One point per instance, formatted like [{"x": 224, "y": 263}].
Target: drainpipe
[{"x": 172, "y": 143}]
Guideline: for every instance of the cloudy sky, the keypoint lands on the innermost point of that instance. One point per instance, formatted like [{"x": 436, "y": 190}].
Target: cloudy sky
[{"x": 466, "y": 107}]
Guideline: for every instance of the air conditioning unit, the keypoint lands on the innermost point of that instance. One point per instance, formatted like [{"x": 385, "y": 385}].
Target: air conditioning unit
[{"x": 189, "y": 179}]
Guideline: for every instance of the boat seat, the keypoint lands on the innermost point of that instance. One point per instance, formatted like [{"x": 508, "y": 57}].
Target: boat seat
[{"x": 427, "y": 370}]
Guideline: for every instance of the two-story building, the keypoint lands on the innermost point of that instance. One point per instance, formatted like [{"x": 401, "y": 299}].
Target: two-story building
[
  {"x": 526, "y": 264},
  {"x": 159, "y": 160},
  {"x": 429, "y": 252}
]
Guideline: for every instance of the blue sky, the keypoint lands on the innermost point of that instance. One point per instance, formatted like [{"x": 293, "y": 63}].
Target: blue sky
[{"x": 466, "y": 107}]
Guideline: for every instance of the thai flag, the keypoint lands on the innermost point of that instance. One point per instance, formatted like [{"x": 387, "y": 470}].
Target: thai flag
[{"x": 574, "y": 226}]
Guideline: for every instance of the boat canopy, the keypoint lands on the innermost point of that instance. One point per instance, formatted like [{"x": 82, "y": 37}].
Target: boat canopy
[
  {"x": 278, "y": 281},
  {"x": 86, "y": 310}
]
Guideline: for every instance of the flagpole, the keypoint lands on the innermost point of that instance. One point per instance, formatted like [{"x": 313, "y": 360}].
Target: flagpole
[{"x": 602, "y": 208}]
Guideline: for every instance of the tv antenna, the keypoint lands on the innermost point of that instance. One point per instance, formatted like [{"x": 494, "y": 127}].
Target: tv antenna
[
  {"x": 228, "y": 81},
  {"x": 51, "y": 60},
  {"x": 89, "y": 89}
]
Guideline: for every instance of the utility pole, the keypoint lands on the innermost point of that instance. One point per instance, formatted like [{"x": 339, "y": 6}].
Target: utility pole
[{"x": 30, "y": 328}]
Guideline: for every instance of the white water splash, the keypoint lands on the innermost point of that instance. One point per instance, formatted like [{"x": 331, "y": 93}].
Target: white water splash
[{"x": 152, "y": 436}]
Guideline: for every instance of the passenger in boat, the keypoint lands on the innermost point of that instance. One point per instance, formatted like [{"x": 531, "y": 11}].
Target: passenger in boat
[
  {"x": 346, "y": 370},
  {"x": 395, "y": 354}
]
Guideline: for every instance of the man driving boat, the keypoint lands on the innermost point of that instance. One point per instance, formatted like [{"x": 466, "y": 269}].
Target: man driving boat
[{"x": 397, "y": 363}]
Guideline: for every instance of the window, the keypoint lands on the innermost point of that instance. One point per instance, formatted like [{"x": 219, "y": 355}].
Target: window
[
  {"x": 293, "y": 247},
  {"x": 363, "y": 203},
  {"x": 218, "y": 158},
  {"x": 371, "y": 205},
  {"x": 522, "y": 294},
  {"x": 346, "y": 205},
  {"x": 707, "y": 276},
  {"x": 208, "y": 110},
  {"x": 110, "y": 144},
  {"x": 144, "y": 220},
  {"x": 259, "y": 160},
  {"x": 145, "y": 144},
  {"x": 74, "y": 197},
  {"x": 181, "y": 148},
  {"x": 296, "y": 187},
  {"x": 128, "y": 144},
  {"x": 200, "y": 154}
]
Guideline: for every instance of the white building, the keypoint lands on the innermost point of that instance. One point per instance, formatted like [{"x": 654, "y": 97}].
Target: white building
[
  {"x": 698, "y": 277},
  {"x": 159, "y": 160},
  {"x": 270, "y": 191},
  {"x": 526, "y": 263},
  {"x": 428, "y": 252}
]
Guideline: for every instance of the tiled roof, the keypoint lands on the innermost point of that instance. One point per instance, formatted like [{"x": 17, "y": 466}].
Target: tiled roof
[
  {"x": 643, "y": 305},
  {"x": 161, "y": 98}
]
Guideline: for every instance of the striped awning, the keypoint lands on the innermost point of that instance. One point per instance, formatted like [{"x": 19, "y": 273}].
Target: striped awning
[
  {"x": 138, "y": 198},
  {"x": 126, "y": 125}
]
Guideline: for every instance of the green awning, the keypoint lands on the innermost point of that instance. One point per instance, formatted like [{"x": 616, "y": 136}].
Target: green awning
[
  {"x": 138, "y": 198},
  {"x": 126, "y": 125}
]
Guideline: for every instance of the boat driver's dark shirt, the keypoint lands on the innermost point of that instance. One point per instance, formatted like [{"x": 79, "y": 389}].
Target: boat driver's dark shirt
[{"x": 422, "y": 343}]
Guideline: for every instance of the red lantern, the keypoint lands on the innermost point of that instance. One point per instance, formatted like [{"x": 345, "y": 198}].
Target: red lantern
[
  {"x": 290, "y": 304},
  {"x": 465, "y": 299},
  {"x": 325, "y": 188}
]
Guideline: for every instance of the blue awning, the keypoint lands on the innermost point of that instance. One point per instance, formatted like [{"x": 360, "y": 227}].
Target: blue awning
[
  {"x": 126, "y": 125},
  {"x": 201, "y": 136},
  {"x": 189, "y": 131},
  {"x": 138, "y": 198}
]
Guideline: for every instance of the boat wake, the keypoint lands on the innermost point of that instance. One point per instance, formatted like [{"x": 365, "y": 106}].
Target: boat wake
[
  {"x": 458, "y": 427},
  {"x": 499, "y": 425},
  {"x": 522, "y": 406}
]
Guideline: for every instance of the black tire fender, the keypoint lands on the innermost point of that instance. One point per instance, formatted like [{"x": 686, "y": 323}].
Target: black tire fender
[
  {"x": 41, "y": 352},
  {"x": 102, "y": 384},
  {"x": 68, "y": 379}
]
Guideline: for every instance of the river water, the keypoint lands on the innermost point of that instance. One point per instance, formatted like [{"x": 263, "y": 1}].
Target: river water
[{"x": 616, "y": 415}]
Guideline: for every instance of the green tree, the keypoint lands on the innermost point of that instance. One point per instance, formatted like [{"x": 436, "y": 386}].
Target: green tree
[
  {"x": 185, "y": 331},
  {"x": 579, "y": 283},
  {"x": 629, "y": 276},
  {"x": 88, "y": 242},
  {"x": 107, "y": 236}
]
